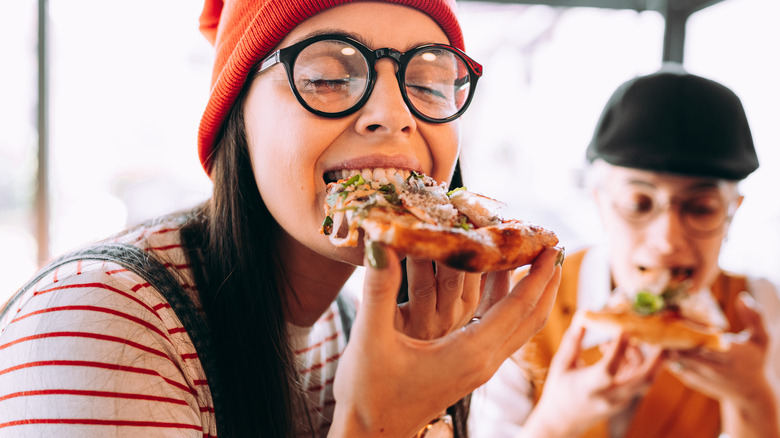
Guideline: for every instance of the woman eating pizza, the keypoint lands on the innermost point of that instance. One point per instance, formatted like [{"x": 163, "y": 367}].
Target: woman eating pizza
[{"x": 227, "y": 320}]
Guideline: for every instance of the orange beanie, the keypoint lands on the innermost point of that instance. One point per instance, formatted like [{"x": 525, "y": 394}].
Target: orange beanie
[{"x": 244, "y": 32}]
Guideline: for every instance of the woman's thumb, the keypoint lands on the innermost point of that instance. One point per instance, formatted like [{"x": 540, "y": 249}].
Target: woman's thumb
[{"x": 380, "y": 285}]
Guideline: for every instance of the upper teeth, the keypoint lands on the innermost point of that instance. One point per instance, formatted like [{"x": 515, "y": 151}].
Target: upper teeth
[{"x": 380, "y": 175}]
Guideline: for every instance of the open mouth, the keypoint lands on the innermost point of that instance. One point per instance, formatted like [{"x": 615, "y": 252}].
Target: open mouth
[{"x": 380, "y": 175}]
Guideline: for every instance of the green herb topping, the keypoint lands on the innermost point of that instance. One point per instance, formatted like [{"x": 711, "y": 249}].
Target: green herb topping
[
  {"x": 354, "y": 180},
  {"x": 647, "y": 303},
  {"x": 451, "y": 192},
  {"x": 463, "y": 222},
  {"x": 390, "y": 194},
  {"x": 416, "y": 175},
  {"x": 327, "y": 225}
]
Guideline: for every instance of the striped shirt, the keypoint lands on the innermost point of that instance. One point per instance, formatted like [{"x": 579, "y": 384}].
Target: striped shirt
[{"x": 92, "y": 350}]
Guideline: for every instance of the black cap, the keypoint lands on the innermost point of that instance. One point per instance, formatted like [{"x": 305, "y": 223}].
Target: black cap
[{"x": 676, "y": 122}]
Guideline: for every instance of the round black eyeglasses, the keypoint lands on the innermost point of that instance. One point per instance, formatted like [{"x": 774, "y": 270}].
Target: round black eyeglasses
[{"x": 333, "y": 75}]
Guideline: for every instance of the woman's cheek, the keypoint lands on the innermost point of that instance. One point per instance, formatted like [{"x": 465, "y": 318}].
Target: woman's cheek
[{"x": 445, "y": 150}]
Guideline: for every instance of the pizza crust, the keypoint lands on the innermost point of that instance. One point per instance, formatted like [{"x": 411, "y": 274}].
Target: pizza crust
[
  {"x": 503, "y": 246},
  {"x": 664, "y": 329}
]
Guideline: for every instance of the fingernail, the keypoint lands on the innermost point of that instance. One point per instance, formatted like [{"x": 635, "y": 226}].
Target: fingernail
[
  {"x": 747, "y": 299},
  {"x": 377, "y": 258},
  {"x": 560, "y": 257}
]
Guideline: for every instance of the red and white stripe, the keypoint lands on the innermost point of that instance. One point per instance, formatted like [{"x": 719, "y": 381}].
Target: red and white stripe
[{"x": 93, "y": 350}]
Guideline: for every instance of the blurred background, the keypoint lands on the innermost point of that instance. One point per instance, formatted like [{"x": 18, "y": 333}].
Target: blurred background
[{"x": 118, "y": 107}]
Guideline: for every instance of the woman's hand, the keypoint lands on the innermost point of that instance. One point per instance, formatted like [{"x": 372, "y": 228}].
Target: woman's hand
[
  {"x": 438, "y": 302},
  {"x": 588, "y": 394},
  {"x": 389, "y": 384},
  {"x": 744, "y": 379}
]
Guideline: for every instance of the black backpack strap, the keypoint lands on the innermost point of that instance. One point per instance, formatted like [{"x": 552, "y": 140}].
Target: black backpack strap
[
  {"x": 146, "y": 266},
  {"x": 347, "y": 313}
]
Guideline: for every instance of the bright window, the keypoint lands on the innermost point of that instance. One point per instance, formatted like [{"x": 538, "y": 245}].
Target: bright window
[{"x": 18, "y": 85}]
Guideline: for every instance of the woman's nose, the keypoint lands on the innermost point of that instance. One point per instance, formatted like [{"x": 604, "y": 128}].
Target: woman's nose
[{"x": 385, "y": 112}]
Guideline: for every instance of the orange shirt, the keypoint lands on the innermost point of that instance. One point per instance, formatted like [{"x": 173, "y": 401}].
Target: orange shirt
[{"x": 669, "y": 409}]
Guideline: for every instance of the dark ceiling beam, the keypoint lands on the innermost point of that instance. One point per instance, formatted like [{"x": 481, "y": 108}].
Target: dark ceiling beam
[
  {"x": 674, "y": 35},
  {"x": 676, "y": 14}
]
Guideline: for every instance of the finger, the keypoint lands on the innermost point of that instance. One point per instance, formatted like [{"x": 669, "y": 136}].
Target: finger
[
  {"x": 507, "y": 325},
  {"x": 422, "y": 285},
  {"x": 615, "y": 353},
  {"x": 496, "y": 287},
  {"x": 751, "y": 316},
  {"x": 691, "y": 371},
  {"x": 449, "y": 287},
  {"x": 702, "y": 364},
  {"x": 654, "y": 362},
  {"x": 705, "y": 357},
  {"x": 380, "y": 288},
  {"x": 472, "y": 292},
  {"x": 569, "y": 349},
  {"x": 513, "y": 320}
]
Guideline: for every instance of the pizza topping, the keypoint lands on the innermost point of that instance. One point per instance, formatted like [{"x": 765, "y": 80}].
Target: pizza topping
[
  {"x": 416, "y": 215},
  {"x": 647, "y": 302},
  {"x": 481, "y": 210},
  {"x": 417, "y": 194},
  {"x": 702, "y": 308},
  {"x": 670, "y": 295}
]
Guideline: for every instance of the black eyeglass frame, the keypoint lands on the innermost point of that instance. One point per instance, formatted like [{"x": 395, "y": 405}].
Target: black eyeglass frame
[{"x": 288, "y": 55}]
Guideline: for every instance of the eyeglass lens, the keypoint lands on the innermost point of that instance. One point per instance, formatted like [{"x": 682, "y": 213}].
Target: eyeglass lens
[
  {"x": 699, "y": 212},
  {"x": 331, "y": 76}
]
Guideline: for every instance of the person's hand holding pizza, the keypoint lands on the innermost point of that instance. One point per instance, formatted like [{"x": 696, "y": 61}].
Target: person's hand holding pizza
[
  {"x": 461, "y": 232},
  {"x": 441, "y": 299},
  {"x": 739, "y": 370},
  {"x": 743, "y": 378},
  {"x": 459, "y": 254},
  {"x": 590, "y": 393},
  {"x": 429, "y": 375}
]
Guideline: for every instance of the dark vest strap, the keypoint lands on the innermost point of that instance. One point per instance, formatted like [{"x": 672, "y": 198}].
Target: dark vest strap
[
  {"x": 347, "y": 313},
  {"x": 150, "y": 269}
]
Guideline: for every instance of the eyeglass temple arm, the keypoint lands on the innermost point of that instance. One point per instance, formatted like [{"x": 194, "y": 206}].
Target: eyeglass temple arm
[{"x": 269, "y": 62}]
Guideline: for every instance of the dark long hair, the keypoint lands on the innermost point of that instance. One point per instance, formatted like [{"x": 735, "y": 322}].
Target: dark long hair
[{"x": 230, "y": 244}]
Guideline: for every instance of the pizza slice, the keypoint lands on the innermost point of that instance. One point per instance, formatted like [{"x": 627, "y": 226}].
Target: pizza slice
[
  {"x": 417, "y": 216},
  {"x": 671, "y": 316}
]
